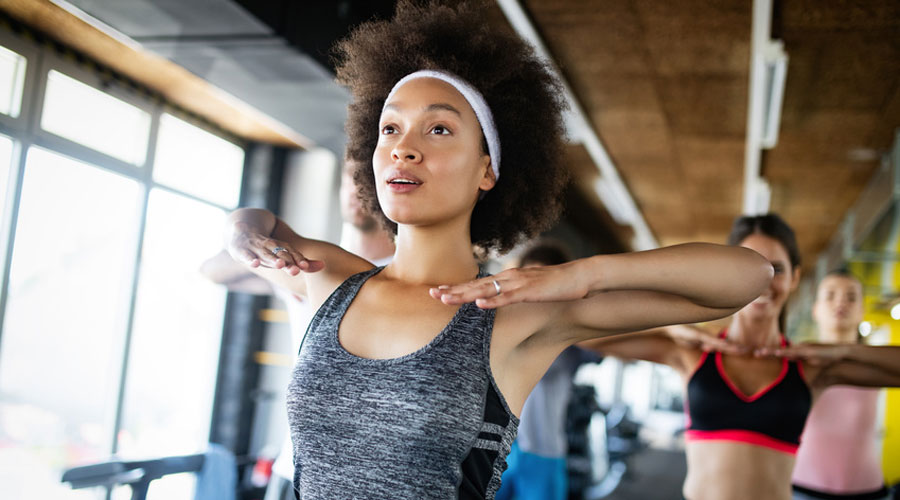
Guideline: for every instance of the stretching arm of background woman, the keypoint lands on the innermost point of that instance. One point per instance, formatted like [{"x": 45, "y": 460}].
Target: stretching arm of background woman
[{"x": 851, "y": 364}]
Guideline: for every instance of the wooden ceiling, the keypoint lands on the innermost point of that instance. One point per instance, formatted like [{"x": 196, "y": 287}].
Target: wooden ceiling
[{"x": 666, "y": 87}]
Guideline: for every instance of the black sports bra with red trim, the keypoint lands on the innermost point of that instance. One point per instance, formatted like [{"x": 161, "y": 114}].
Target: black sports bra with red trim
[{"x": 773, "y": 417}]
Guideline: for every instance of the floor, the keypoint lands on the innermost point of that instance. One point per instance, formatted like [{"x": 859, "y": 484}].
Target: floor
[{"x": 652, "y": 475}]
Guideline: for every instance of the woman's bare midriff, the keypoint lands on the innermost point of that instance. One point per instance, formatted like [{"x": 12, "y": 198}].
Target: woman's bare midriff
[{"x": 725, "y": 470}]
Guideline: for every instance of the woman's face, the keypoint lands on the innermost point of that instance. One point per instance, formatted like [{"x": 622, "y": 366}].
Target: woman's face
[
  {"x": 769, "y": 304},
  {"x": 429, "y": 163},
  {"x": 838, "y": 309}
]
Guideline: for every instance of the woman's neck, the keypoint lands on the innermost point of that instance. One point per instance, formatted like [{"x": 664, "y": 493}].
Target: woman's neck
[
  {"x": 754, "y": 331},
  {"x": 836, "y": 336},
  {"x": 433, "y": 255},
  {"x": 371, "y": 245}
]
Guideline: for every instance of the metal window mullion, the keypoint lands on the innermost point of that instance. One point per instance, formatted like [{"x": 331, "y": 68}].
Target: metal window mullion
[
  {"x": 85, "y": 154},
  {"x": 147, "y": 184},
  {"x": 190, "y": 196},
  {"x": 129, "y": 325},
  {"x": 9, "y": 227},
  {"x": 32, "y": 101}
]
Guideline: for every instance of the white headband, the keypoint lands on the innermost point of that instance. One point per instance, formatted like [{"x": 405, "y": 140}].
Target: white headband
[{"x": 474, "y": 98}]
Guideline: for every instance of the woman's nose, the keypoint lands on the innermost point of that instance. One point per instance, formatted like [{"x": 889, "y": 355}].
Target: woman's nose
[{"x": 405, "y": 150}]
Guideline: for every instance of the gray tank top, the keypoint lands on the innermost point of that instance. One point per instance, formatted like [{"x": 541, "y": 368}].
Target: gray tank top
[{"x": 430, "y": 424}]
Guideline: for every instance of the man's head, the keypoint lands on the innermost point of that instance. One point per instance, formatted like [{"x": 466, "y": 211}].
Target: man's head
[
  {"x": 352, "y": 210},
  {"x": 544, "y": 253}
]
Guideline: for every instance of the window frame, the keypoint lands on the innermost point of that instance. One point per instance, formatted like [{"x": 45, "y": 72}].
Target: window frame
[{"x": 25, "y": 131}]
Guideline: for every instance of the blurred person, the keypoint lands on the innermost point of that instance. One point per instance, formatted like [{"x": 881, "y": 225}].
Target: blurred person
[
  {"x": 360, "y": 234},
  {"x": 748, "y": 391},
  {"x": 537, "y": 459},
  {"x": 838, "y": 456}
]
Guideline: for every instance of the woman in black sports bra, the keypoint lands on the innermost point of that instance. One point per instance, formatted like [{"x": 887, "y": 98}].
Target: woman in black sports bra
[{"x": 748, "y": 392}]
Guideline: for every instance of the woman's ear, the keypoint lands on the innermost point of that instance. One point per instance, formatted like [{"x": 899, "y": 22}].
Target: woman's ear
[{"x": 488, "y": 180}]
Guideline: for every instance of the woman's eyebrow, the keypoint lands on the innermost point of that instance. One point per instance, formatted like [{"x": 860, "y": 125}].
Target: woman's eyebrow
[{"x": 442, "y": 106}]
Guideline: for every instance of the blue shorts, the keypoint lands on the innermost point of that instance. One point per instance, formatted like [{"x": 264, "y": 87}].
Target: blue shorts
[{"x": 533, "y": 477}]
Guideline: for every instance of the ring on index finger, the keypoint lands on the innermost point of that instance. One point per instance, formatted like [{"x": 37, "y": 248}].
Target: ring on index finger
[
  {"x": 497, "y": 287},
  {"x": 278, "y": 249}
]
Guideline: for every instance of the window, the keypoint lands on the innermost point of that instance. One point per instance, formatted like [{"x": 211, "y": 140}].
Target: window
[
  {"x": 66, "y": 310},
  {"x": 6, "y": 159},
  {"x": 197, "y": 162},
  {"x": 12, "y": 81},
  {"x": 88, "y": 116},
  {"x": 177, "y": 329},
  {"x": 98, "y": 353}
]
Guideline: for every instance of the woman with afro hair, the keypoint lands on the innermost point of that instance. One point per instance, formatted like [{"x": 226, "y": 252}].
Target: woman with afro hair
[{"x": 411, "y": 376}]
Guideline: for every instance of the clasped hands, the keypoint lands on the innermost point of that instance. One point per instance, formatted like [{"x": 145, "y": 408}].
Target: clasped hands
[{"x": 815, "y": 354}]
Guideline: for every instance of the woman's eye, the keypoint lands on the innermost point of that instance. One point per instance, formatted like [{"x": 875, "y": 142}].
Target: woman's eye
[
  {"x": 388, "y": 129},
  {"x": 440, "y": 130},
  {"x": 778, "y": 269}
]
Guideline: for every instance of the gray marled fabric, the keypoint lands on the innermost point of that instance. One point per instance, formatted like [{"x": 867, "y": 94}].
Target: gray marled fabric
[{"x": 430, "y": 424}]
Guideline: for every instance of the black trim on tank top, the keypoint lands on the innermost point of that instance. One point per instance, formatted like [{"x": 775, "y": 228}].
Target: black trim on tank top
[{"x": 478, "y": 466}]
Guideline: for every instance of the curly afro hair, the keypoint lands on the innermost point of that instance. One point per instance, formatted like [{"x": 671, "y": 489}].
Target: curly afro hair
[{"x": 524, "y": 96}]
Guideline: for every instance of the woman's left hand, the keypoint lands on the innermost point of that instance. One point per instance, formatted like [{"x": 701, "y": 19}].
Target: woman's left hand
[
  {"x": 529, "y": 284},
  {"x": 814, "y": 354}
]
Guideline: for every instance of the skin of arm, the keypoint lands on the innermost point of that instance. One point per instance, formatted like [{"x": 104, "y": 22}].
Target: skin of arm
[
  {"x": 308, "y": 268},
  {"x": 612, "y": 294},
  {"x": 844, "y": 364},
  {"x": 223, "y": 270},
  {"x": 667, "y": 345},
  {"x": 650, "y": 345}
]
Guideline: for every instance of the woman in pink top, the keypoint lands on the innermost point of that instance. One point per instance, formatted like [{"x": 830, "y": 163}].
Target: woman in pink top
[{"x": 837, "y": 456}]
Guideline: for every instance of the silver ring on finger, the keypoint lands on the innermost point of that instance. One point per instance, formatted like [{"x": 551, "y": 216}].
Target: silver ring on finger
[
  {"x": 497, "y": 287},
  {"x": 278, "y": 249}
]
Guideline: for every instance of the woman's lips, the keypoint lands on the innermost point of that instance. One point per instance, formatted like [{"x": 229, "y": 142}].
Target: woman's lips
[{"x": 402, "y": 187}]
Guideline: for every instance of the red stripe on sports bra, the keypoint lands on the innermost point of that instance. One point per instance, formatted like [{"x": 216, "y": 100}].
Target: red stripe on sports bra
[
  {"x": 737, "y": 392},
  {"x": 742, "y": 436}
]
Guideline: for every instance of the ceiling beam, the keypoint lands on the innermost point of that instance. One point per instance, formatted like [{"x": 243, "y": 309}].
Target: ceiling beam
[{"x": 65, "y": 23}]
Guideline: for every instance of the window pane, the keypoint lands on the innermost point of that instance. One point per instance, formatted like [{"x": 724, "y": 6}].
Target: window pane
[
  {"x": 12, "y": 81},
  {"x": 88, "y": 116},
  {"x": 61, "y": 352},
  {"x": 194, "y": 161},
  {"x": 6, "y": 152},
  {"x": 177, "y": 331}
]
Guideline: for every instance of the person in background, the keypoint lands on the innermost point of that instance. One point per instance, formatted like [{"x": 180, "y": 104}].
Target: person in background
[
  {"x": 748, "y": 392},
  {"x": 537, "y": 460},
  {"x": 838, "y": 457},
  {"x": 360, "y": 234}
]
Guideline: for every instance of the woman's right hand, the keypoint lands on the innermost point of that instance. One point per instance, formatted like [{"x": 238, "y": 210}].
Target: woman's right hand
[{"x": 254, "y": 249}]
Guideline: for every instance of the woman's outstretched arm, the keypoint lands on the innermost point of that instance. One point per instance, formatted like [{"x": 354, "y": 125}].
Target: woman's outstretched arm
[
  {"x": 666, "y": 345},
  {"x": 611, "y": 294},
  {"x": 272, "y": 250},
  {"x": 844, "y": 364}
]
